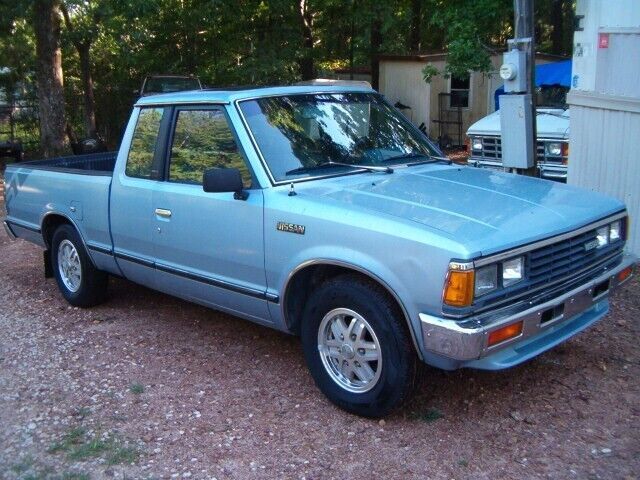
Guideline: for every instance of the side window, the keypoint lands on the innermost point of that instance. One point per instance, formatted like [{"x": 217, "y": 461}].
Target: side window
[
  {"x": 202, "y": 139},
  {"x": 143, "y": 143}
]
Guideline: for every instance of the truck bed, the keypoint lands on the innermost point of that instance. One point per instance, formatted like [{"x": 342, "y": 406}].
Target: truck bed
[
  {"x": 76, "y": 188},
  {"x": 89, "y": 164}
]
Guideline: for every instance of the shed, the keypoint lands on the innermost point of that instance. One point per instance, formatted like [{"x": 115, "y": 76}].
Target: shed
[
  {"x": 401, "y": 81},
  {"x": 605, "y": 104}
]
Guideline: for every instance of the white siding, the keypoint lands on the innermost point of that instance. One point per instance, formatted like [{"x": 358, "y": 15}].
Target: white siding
[
  {"x": 605, "y": 105},
  {"x": 403, "y": 82},
  {"x": 604, "y": 158}
]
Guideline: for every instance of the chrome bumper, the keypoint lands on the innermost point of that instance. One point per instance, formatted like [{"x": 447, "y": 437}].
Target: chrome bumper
[
  {"x": 7, "y": 229},
  {"x": 553, "y": 172},
  {"x": 448, "y": 338},
  {"x": 545, "y": 170}
]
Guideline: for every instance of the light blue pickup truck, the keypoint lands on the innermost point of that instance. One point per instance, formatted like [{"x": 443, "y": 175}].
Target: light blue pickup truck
[{"x": 321, "y": 211}]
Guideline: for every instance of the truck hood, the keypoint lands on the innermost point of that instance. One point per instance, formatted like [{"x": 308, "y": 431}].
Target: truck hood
[
  {"x": 550, "y": 123},
  {"x": 484, "y": 210}
]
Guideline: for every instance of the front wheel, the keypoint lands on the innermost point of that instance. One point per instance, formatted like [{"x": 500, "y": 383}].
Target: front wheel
[
  {"x": 81, "y": 284},
  {"x": 357, "y": 347}
]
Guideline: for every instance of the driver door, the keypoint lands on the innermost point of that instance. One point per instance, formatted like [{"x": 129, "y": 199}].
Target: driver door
[{"x": 209, "y": 246}]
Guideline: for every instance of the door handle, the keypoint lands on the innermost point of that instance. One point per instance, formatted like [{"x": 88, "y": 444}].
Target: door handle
[{"x": 163, "y": 212}]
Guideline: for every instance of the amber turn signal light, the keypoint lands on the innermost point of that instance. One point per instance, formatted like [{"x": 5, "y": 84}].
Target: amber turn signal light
[
  {"x": 458, "y": 291},
  {"x": 624, "y": 274},
  {"x": 505, "y": 333}
]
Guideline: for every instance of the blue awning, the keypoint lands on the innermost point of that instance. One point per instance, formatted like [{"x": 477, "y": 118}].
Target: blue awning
[{"x": 558, "y": 73}]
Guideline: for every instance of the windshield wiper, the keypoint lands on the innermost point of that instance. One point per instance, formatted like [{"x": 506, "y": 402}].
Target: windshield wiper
[
  {"x": 371, "y": 168},
  {"x": 408, "y": 156}
]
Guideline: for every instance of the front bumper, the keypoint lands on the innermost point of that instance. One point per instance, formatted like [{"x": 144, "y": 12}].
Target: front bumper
[
  {"x": 454, "y": 344},
  {"x": 550, "y": 171}
]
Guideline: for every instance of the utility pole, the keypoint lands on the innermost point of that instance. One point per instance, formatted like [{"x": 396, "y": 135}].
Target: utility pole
[
  {"x": 518, "y": 106},
  {"x": 525, "y": 28}
]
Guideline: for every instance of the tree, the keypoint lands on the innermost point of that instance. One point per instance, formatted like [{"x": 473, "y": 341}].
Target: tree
[
  {"x": 307, "y": 70},
  {"x": 46, "y": 26},
  {"x": 82, "y": 31}
]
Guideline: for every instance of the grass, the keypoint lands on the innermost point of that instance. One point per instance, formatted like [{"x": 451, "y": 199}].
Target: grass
[
  {"x": 78, "y": 445},
  {"x": 427, "y": 416},
  {"x": 136, "y": 388}
]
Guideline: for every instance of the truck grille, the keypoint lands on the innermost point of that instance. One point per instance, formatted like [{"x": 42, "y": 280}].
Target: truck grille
[
  {"x": 564, "y": 264},
  {"x": 492, "y": 151},
  {"x": 562, "y": 259}
]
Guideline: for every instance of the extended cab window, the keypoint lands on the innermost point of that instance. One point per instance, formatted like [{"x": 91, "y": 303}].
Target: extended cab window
[
  {"x": 143, "y": 143},
  {"x": 202, "y": 139}
]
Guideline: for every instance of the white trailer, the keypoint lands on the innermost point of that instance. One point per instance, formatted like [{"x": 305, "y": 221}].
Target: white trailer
[{"x": 605, "y": 104}]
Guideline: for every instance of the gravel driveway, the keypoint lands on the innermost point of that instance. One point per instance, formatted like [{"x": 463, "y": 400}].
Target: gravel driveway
[{"x": 148, "y": 386}]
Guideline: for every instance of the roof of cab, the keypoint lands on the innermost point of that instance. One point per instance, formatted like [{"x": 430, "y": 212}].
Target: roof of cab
[{"x": 231, "y": 95}]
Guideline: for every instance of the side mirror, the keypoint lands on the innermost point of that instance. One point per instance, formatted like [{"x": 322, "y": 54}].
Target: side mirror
[{"x": 218, "y": 180}]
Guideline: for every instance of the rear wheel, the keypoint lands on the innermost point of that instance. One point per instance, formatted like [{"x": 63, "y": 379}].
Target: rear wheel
[
  {"x": 357, "y": 347},
  {"x": 81, "y": 284}
]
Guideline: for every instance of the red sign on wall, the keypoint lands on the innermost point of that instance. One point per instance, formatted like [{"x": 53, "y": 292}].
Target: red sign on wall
[{"x": 603, "y": 40}]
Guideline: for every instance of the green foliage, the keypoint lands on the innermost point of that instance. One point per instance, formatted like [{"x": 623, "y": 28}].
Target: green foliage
[
  {"x": 253, "y": 42},
  {"x": 429, "y": 71},
  {"x": 472, "y": 30}
]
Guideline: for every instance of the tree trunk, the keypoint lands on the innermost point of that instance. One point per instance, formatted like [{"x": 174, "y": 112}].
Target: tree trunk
[
  {"x": 415, "y": 31},
  {"x": 87, "y": 86},
  {"x": 84, "y": 48},
  {"x": 375, "y": 44},
  {"x": 557, "y": 20},
  {"x": 46, "y": 26},
  {"x": 306, "y": 22}
]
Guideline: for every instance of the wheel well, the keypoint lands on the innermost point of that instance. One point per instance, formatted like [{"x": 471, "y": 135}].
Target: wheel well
[
  {"x": 50, "y": 224},
  {"x": 309, "y": 278}
]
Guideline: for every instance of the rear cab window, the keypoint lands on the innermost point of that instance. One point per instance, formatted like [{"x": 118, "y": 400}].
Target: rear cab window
[{"x": 142, "y": 158}]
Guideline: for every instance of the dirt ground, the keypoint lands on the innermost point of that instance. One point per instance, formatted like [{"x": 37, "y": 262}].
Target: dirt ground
[{"x": 147, "y": 386}]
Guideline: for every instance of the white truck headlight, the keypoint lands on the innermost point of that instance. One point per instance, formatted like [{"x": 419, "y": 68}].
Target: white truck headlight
[
  {"x": 512, "y": 271},
  {"x": 476, "y": 144},
  {"x": 486, "y": 280},
  {"x": 602, "y": 235},
  {"x": 615, "y": 231},
  {"x": 554, "y": 148}
]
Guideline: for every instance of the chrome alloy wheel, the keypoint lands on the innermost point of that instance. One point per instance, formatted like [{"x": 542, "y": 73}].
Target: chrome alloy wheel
[
  {"x": 69, "y": 266},
  {"x": 349, "y": 350}
]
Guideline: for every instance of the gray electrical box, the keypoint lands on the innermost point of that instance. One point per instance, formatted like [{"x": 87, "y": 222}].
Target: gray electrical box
[
  {"x": 515, "y": 125},
  {"x": 514, "y": 71}
]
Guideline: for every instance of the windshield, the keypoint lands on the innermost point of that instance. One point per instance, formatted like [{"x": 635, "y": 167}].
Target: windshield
[
  {"x": 552, "y": 96},
  {"x": 170, "y": 84},
  {"x": 306, "y": 135}
]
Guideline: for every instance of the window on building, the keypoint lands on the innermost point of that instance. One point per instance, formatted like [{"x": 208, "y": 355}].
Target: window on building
[
  {"x": 202, "y": 139},
  {"x": 460, "y": 88}
]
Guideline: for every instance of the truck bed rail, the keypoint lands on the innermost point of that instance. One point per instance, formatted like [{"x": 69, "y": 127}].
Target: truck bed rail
[{"x": 89, "y": 164}]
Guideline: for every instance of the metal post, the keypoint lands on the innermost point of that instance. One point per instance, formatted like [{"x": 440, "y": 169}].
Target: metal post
[{"x": 524, "y": 28}]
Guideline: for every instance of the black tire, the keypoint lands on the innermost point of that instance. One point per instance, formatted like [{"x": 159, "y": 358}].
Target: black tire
[
  {"x": 92, "y": 289},
  {"x": 399, "y": 361}
]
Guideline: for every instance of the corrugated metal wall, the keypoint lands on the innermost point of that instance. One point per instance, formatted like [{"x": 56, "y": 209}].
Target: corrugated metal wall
[
  {"x": 605, "y": 105},
  {"x": 605, "y": 157}
]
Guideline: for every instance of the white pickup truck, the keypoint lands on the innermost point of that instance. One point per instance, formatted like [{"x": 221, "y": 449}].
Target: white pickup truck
[{"x": 552, "y": 130}]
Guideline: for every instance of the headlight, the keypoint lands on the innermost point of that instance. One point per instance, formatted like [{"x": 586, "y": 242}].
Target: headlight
[
  {"x": 615, "y": 231},
  {"x": 512, "y": 271},
  {"x": 486, "y": 280},
  {"x": 476, "y": 144},
  {"x": 554, "y": 148},
  {"x": 602, "y": 235}
]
